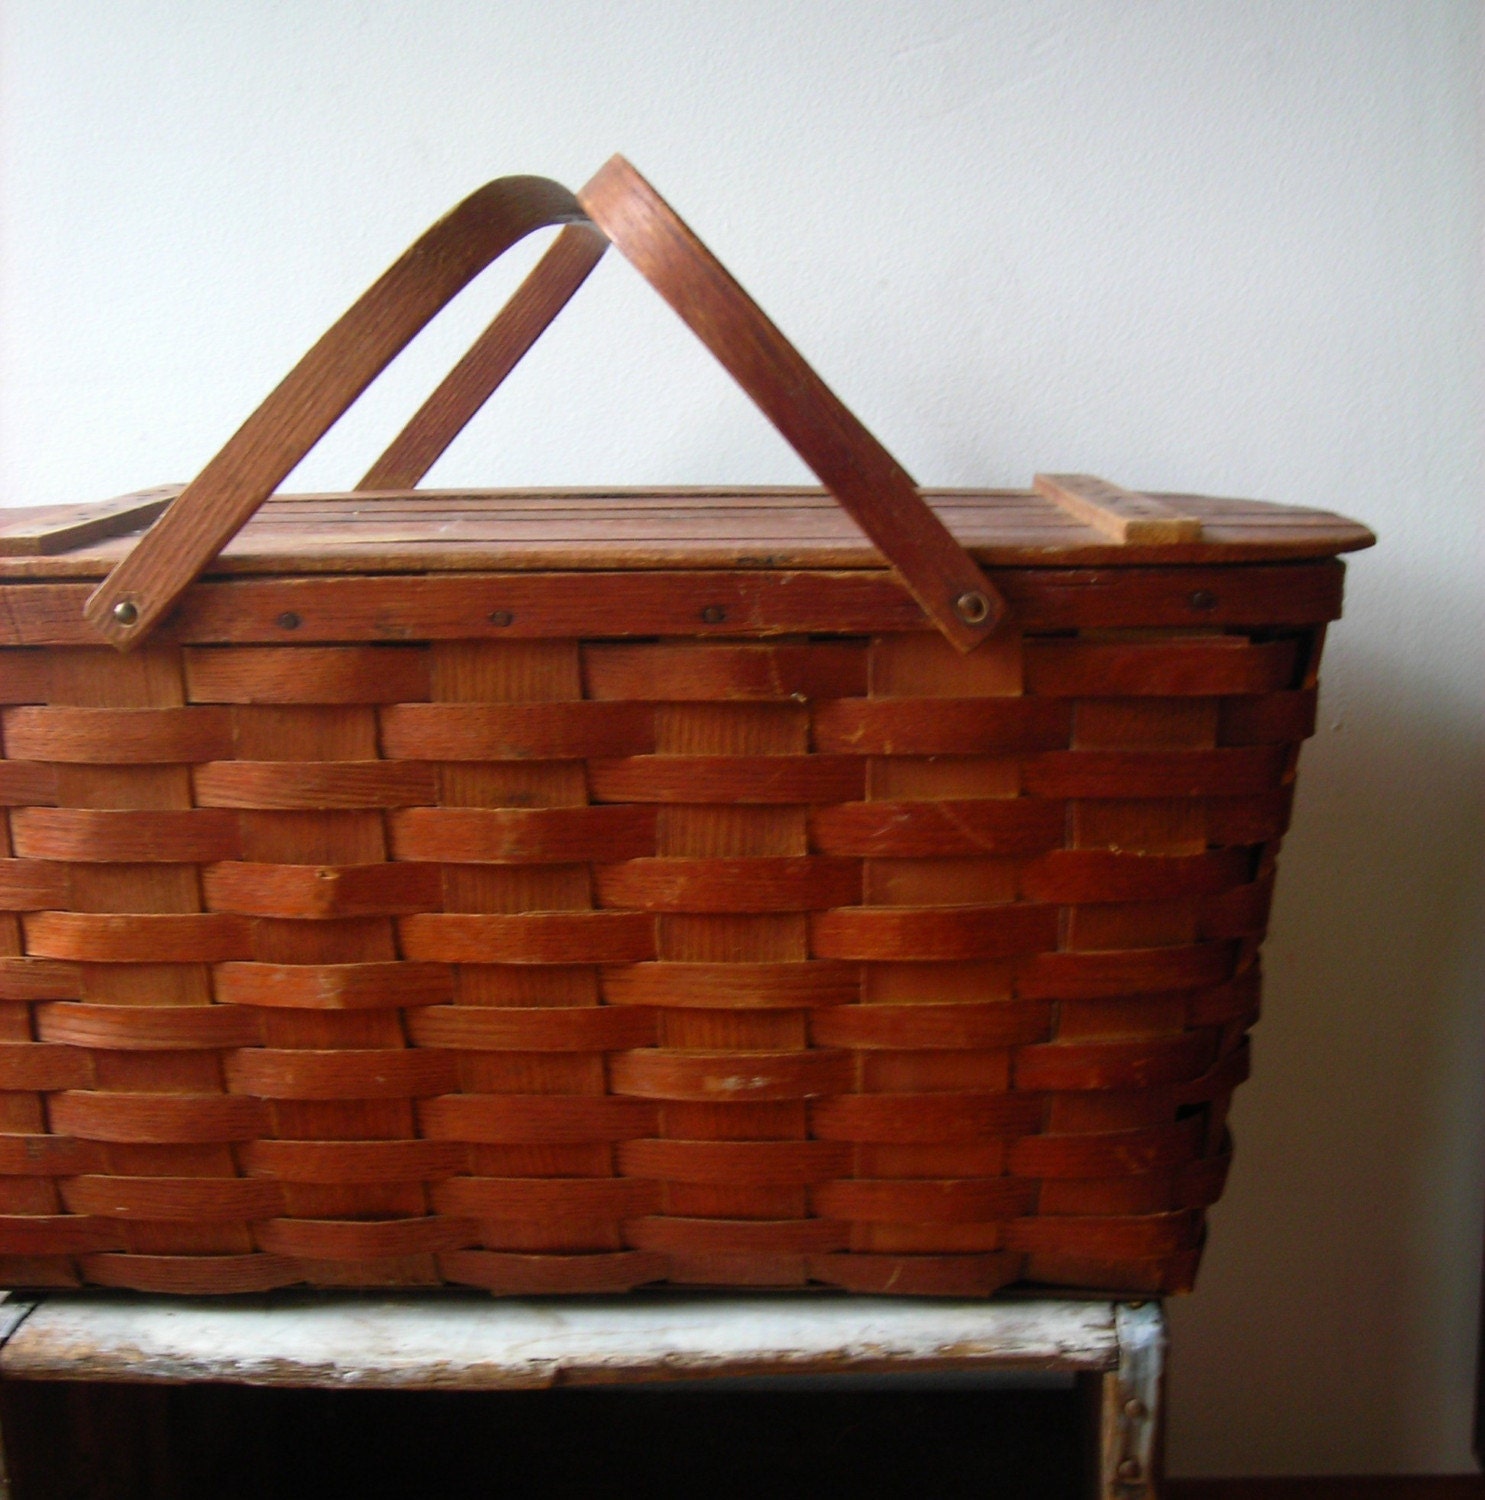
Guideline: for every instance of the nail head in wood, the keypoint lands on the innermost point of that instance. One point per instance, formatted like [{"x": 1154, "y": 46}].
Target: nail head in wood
[{"x": 972, "y": 607}]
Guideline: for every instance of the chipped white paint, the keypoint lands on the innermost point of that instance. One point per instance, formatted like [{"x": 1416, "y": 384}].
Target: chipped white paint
[{"x": 477, "y": 1343}]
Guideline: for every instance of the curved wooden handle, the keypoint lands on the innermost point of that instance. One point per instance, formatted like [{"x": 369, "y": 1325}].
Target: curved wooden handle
[
  {"x": 217, "y": 503},
  {"x": 497, "y": 351},
  {"x": 872, "y": 487},
  {"x": 869, "y": 484}
]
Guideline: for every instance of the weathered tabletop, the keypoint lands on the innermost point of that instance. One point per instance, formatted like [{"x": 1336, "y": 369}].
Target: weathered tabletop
[{"x": 473, "y": 1342}]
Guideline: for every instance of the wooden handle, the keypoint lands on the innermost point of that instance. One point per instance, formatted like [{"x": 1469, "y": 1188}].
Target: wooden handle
[
  {"x": 497, "y": 351},
  {"x": 219, "y": 501},
  {"x": 869, "y": 484}
]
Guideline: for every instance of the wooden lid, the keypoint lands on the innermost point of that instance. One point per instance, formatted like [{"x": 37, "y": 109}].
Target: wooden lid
[{"x": 608, "y": 529}]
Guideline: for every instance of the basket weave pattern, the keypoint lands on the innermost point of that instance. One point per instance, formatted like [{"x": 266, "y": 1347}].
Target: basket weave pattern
[{"x": 563, "y": 965}]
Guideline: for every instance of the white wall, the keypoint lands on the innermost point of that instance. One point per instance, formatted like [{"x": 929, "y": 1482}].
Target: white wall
[{"x": 1229, "y": 245}]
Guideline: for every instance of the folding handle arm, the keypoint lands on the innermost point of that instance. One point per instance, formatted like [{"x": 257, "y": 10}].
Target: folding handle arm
[{"x": 869, "y": 484}]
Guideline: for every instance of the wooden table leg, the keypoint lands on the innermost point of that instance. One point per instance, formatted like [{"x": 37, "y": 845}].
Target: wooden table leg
[{"x": 1125, "y": 1408}]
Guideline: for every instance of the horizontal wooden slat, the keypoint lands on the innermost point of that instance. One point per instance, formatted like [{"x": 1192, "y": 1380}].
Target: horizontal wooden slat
[
  {"x": 1004, "y": 1023},
  {"x": 321, "y": 891},
  {"x": 991, "y": 825},
  {"x": 755, "y": 884},
  {"x": 1154, "y": 773},
  {"x": 1094, "y": 875},
  {"x": 369, "y": 986},
  {"x": 202, "y": 1199},
  {"x": 1222, "y": 1078},
  {"x": 1233, "y": 1001},
  {"x": 1239, "y": 913},
  {"x": 599, "y": 937},
  {"x": 1249, "y": 820},
  {"x": 56, "y": 1234},
  {"x": 47, "y": 530},
  {"x": 535, "y": 1119},
  {"x": 39, "y": 979},
  {"x": 137, "y": 937},
  {"x": 927, "y": 1118},
  {"x": 918, "y": 1275},
  {"x": 1134, "y": 971},
  {"x": 1153, "y": 1234},
  {"x": 1075, "y": 1066},
  {"x": 940, "y": 726},
  {"x": 543, "y": 1275},
  {"x": 1124, "y": 516},
  {"x": 117, "y": 736},
  {"x": 48, "y": 1156},
  {"x": 33, "y": 885},
  {"x": 568, "y": 605},
  {"x": 306, "y": 674},
  {"x": 146, "y": 1028},
  {"x": 25, "y": 783},
  {"x": 741, "y": 1163},
  {"x": 689, "y": 672},
  {"x": 549, "y": 1200},
  {"x": 1118, "y": 1154},
  {"x": 564, "y": 1028},
  {"x": 193, "y": 1275},
  {"x": 351, "y": 1073},
  {"x": 28, "y": 1066},
  {"x": 721, "y": 779},
  {"x": 900, "y": 1201},
  {"x": 1274, "y": 718},
  {"x": 362, "y": 1239},
  {"x": 126, "y": 835},
  {"x": 25, "y": 676},
  {"x": 733, "y": 986},
  {"x": 522, "y": 835},
  {"x": 515, "y": 731},
  {"x": 1211, "y": 667},
  {"x": 655, "y": 1073},
  {"x": 340, "y": 1162},
  {"x": 949, "y": 932},
  {"x": 679, "y": 1235},
  {"x": 312, "y": 784},
  {"x": 183, "y": 1119}
]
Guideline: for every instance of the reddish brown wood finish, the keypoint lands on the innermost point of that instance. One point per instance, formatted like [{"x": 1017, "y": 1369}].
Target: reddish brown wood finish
[{"x": 565, "y": 891}]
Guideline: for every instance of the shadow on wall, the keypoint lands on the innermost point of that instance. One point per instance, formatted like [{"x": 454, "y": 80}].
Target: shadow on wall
[{"x": 1334, "y": 1267}]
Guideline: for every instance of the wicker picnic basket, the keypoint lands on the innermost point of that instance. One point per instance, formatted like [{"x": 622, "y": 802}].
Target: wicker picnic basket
[{"x": 556, "y": 891}]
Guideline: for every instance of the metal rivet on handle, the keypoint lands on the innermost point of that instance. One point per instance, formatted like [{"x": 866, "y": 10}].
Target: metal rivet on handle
[
  {"x": 126, "y": 612},
  {"x": 1203, "y": 599},
  {"x": 972, "y": 607}
]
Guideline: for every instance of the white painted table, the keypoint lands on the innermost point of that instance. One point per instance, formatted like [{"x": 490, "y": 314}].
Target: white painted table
[{"x": 455, "y": 1342}]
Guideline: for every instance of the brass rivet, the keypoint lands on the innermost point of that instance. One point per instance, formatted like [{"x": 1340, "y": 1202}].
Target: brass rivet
[
  {"x": 126, "y": 612},
  {"x": 972, "y": 607},
  {"x": 501, "y": 617},
  {"x": 288, "y": 620},
  {"x": 1203, "y": 599},
  {"x": 1135, "y": 1409},
  {"x": 1129, "y": 1470},
  {"x": 713, "y": 614}
]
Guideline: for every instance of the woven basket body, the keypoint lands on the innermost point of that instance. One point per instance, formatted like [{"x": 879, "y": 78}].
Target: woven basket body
[{"x": 568, "y": 893}]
